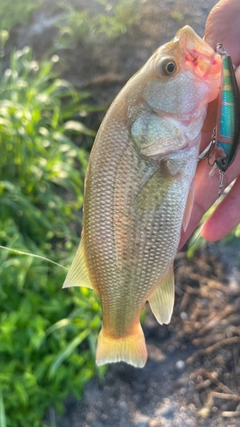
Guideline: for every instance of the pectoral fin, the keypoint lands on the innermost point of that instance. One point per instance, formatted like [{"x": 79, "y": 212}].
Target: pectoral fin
[
  {"x": 162, "y": 300},
  {"x": 156, "y": 136},
  {"x": 188, "y": 208},
  {"x": 78, "y": 273}
]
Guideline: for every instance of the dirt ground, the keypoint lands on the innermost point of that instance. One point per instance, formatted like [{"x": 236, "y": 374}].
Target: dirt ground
[{"x": 192, "y": 377}]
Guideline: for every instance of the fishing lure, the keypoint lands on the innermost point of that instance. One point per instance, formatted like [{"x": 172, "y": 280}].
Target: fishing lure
[
  {"x": 225, "y": 140},
  {"x": 228, "y": 117}
]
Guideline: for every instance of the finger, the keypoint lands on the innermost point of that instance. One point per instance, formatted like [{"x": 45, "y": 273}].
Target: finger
[
  {"x": 218, "y": 29},
  {"x": 213, "y": 35},
  {"x": 225, "y": 217},
  {"x": 206, "y": 192},
  {"x": 237, "y": 74},
  {"x": 210, "y": 120}
]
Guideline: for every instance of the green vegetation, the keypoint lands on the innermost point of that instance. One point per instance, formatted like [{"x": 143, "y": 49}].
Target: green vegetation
[
  {"x": 197, "y": 241},
  {"x": 17, "y": 13},
  {"x": 115, "y": 20},
  {"x": 177, "y": 15},
  {"x": 47, "y": 334}
]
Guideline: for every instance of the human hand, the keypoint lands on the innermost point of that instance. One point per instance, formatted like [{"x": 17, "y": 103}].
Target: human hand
[{"x": 223, "y": 26}]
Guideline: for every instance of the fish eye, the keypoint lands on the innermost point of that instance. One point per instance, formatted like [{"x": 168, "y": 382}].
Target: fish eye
[
  {"x": 170, "y": 67},
  {"x": 167, "y": 66}
]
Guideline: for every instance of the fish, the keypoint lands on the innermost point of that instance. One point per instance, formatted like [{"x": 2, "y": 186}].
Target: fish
[
  {"x": 228, "y": 117},
  {"x": 139, "y": 192}
]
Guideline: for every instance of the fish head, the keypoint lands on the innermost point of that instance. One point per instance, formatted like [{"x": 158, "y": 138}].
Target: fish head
[
  {"x": 168, "y": 98},
  {"x": 181, "y": 76}
]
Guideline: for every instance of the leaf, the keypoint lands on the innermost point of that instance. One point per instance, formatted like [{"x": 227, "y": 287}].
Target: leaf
[
  {"x": 3, "y": 422},
  {"x": 41, "y": 192},
  {"x": 58, "y": 325},
  {"x": 63, "y": 355},
  {"x": 78, "y": 127}
]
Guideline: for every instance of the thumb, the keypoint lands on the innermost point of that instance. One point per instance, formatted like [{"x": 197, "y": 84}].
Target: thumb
[{"x": 223, "y": 26}]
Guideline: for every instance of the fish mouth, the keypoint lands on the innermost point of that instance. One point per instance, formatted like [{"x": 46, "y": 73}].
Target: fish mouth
[{"x": 198, "y": 57}]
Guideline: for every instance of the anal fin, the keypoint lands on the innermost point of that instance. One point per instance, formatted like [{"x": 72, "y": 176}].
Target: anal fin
[
  {"x": 162, "y": 300},
  {"x": 78, "y": 272}
]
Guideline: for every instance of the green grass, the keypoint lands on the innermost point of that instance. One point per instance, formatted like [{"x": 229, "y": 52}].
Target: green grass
[
  {"x": 196, "y": 241},
  {"x": 48, "y": 335},
  {"x": 16, "y": 14},
  {"x": 84, "y": 26}
]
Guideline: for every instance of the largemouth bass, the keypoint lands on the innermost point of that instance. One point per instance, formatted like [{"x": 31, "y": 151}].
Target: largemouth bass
[{"x": 138, "y": 191}]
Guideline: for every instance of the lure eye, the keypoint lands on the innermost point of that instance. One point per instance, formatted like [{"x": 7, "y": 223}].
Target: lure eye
[
  {"x": 222, "y": 163},
  {"x": 167, "y": 67},
  {"x": 222, "y": 159}
]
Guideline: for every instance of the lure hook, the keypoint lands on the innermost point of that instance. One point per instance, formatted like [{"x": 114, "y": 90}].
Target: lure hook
[
  {"x": 209, "y": 150},
  {"x": 221, "y": 50},
  {"x": 221, "y": 178}
]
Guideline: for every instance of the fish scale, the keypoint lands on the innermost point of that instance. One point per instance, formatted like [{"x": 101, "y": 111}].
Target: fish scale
[{"x": 139, "y": 192}]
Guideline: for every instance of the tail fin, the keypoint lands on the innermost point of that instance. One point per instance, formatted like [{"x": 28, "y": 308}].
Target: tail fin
[{"x": 130, "y": 349}]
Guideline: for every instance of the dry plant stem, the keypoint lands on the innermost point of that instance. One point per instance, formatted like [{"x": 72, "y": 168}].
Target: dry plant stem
[
  {"x": 226, "y": 396},
  {"x": 212, "y": 379},
  {"x": 230, "y": 414},
  {"x": 212, "y": 348}
]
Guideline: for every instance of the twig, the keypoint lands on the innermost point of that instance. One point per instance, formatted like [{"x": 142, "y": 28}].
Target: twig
[
  {"x": 230, "y": 414},
  {"x": 212, "y": 348},
  {"x": 184, "y": 302},
  {"x": 226, "y": 396},
  {"x": 226, "y": 341},
  {"x": 211, "y": 339},
  {"x": 214, "y": 378}
]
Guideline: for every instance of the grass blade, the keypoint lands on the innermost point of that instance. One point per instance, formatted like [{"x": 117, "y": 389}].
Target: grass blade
[
  {"x": 3, "y": 422},
  {"x": 68, "y": 351}
]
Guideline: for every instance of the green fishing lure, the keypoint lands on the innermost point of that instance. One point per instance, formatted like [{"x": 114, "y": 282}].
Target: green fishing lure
[{"x": 228, "y": 118}]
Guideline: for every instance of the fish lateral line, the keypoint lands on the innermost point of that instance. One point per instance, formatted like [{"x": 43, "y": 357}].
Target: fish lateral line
[{"x": 17, "y": 251}]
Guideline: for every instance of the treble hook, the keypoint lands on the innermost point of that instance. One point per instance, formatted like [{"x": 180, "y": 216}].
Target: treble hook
[
  {"x": 209, "y": 150},
  {"x": 221, "y": 177}
]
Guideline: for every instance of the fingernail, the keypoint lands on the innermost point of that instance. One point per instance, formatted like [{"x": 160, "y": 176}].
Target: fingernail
[{"x": 237, "y": 74}]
